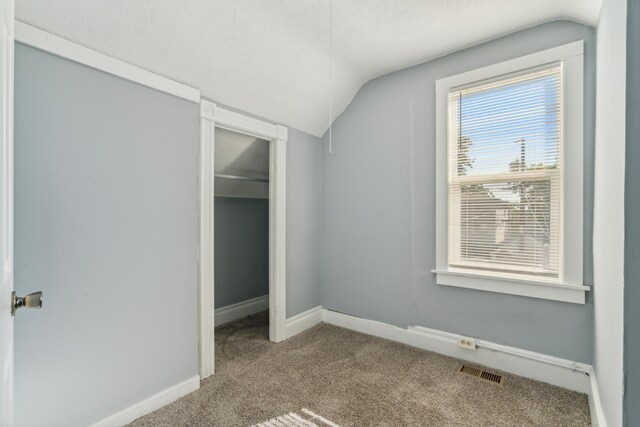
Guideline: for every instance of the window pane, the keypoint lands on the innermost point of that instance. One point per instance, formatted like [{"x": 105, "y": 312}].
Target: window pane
[
  {"x": 507, "y": 226},
  {"x": 507, "y": 126},
  {"x": 504, "y": 176}
]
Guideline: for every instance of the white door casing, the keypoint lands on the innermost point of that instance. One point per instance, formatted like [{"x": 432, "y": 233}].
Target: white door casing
[
  {"x": 206, "y": 353},
  {"x": 212, "y": 116},
  {"x": 6, "y": 213}
]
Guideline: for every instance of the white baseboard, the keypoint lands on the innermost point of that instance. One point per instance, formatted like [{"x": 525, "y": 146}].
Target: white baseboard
[
  {"x": 595, "y": 406},
  {"x": 553, "y": 370},
  {"x": 149, "y": 405},
  {"x": 242, "y": 309},
  {"x": 303, "y": 321}
]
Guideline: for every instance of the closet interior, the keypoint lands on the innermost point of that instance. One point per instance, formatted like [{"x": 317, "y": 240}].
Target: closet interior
[{"x": 241, "y": 225}]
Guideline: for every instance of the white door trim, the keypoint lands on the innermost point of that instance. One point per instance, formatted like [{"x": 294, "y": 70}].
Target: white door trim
[
  {"x": 6, "y": 211},
  {"x": 35, "y": 37},
  {"x": 206, "y": 351},
  {"x": 212, "y": 116}
]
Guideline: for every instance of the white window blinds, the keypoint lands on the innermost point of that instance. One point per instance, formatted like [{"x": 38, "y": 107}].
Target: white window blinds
[{"x": 505, "y": 173}]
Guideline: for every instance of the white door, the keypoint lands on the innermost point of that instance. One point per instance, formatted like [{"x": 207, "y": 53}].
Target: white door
[{"x": 6, "y": 213}]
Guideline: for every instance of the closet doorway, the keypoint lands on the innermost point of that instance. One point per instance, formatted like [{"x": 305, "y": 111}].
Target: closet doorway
[
  {"x": 243, "y": 170},
  {"x": 241, "y": 225}
]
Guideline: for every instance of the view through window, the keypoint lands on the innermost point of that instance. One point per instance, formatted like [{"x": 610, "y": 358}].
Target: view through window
[{"x": 505, "y": 173}]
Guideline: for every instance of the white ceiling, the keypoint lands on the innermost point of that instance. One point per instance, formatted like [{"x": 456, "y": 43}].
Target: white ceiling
[{"x": 271, "y": 57}]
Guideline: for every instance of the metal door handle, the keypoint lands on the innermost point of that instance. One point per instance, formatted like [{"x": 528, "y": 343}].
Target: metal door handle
[{"x": 33, "y": 300}]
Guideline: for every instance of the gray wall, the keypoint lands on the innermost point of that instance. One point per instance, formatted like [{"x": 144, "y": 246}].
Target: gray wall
[
  {"x": 241, "y": 249},
  {"x": 379, "y": 210},
  {"x": 304, "y": 221},
  {"x": 632, "y": 221},
  {"x": 106, "y": 225}
]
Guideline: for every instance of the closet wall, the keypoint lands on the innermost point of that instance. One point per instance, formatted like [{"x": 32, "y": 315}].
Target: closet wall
[{"x": 241, "y": 242}]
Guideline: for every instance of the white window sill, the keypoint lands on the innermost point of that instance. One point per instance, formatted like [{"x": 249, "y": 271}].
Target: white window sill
[{"x": 545, "y": 289}]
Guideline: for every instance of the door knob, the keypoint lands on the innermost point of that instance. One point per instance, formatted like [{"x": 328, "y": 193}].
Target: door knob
[{"x": 33, "y": 300}]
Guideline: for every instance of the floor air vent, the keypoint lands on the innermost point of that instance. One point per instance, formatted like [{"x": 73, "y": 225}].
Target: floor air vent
[{"x": 482, "y": 374}]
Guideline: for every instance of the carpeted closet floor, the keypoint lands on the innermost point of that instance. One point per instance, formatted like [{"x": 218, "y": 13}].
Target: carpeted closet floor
[{"x": 330, "y": 376}]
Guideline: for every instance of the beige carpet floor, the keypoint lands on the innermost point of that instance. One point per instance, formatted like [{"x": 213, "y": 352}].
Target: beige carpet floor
[{"x": 351, "y": 379}]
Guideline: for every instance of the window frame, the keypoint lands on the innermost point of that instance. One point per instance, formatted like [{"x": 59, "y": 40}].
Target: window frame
[{"x": 568, "y": 286}]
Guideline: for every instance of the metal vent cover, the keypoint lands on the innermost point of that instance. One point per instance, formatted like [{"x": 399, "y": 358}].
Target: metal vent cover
[{"x": 492, "y": 377}]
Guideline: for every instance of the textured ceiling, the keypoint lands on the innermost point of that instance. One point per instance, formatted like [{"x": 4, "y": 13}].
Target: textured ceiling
[{"x": 271, "y": 57}]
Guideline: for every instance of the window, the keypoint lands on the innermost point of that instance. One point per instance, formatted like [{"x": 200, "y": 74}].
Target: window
[
  {"x": 504, "y": 147},
  {"x": 509, "y": 153}
]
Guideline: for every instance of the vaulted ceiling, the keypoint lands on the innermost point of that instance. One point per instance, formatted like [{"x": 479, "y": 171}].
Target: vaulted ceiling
[{"x": 271, "y": 57}]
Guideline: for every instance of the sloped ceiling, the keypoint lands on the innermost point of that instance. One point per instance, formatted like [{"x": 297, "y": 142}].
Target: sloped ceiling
[
  {"x": 271, "y": 57},
  {"x": 241, "y": 155}
]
